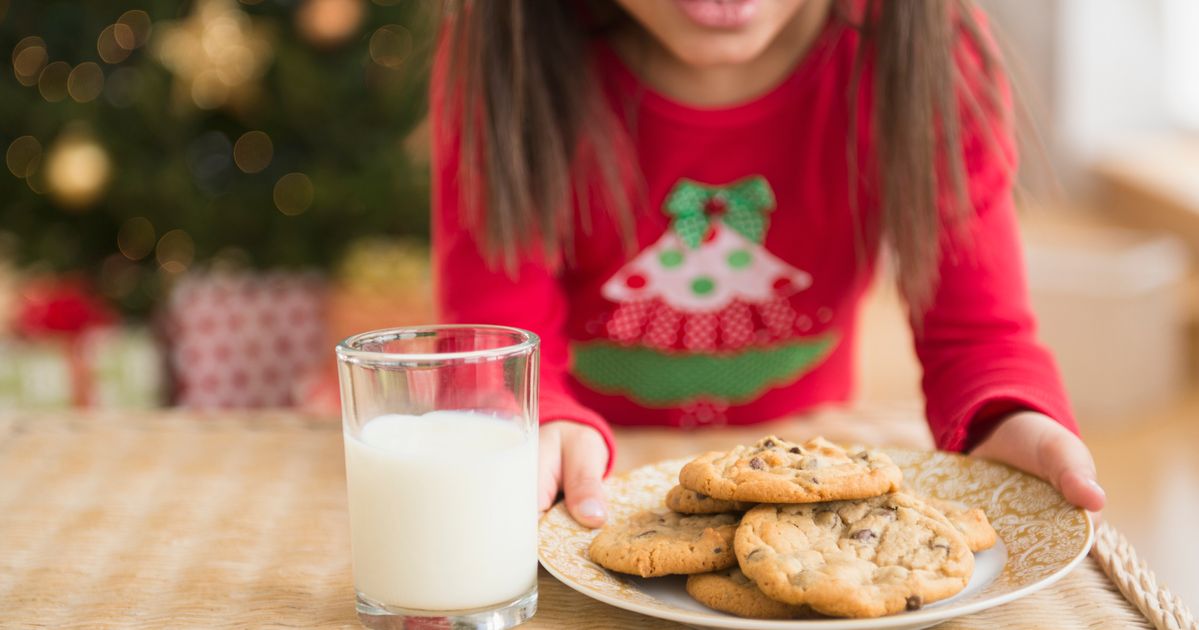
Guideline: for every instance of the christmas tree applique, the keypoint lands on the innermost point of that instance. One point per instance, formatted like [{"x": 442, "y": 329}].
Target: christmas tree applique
[{"x": 705, "y": 311}]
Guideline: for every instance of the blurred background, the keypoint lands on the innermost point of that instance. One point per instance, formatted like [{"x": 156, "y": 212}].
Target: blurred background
[{"x": 200, "y": 198}]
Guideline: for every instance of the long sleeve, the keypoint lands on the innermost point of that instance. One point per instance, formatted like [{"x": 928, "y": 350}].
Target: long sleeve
[
  {"x": 977, "y": 342},
  {"x": 470, "y": 291}
]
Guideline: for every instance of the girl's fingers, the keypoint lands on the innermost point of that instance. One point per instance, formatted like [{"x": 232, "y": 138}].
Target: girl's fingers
[
  {"x": 549, "y": 466},
  {"x": 1036, "y": 444},
  {"x": 1067, "y": 464},
  {"x": 584, "y": 457}
]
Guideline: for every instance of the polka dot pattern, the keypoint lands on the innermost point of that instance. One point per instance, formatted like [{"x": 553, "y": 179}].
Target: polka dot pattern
[
  {"x": 778, "y": 317},
  {"x": 663, "y": 328},
  {"x": 736, "y": 326},
  {"x": 628, "y": 321},
  {"x": 699, "y": 332}
]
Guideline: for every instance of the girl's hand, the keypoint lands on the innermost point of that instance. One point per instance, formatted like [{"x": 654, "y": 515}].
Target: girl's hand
[
  {"x": 573, "y": 457},
  {"x": 1035, "y": 443}
]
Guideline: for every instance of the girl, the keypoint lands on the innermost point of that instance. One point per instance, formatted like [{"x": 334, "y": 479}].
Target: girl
[{"x": 685, "y": 200}]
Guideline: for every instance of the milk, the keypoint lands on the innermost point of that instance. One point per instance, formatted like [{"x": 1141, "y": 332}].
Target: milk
[{"x": 443, "y": 510}]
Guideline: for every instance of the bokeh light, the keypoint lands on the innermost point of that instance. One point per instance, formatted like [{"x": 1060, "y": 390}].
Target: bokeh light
[
  {"x": 208, "y": 90},
  {"x": 23, "y": 156},
  {"x": 52, "y": 83},
  {"x": 390, "y": 45},
  {"x": 118, "y": 277},
  {"x": 138, "y": 24},
  {"x": 175, "y": 251},
  {"x": 123, "y": 87},
  {"x": 253, "y": 151},
  {"x": 136, "y": 238},
  {"x": 77, "y": 170},
  {"x": 215, "y": 52},
  {"x": 293, "y": 194},
  {"x": 329, "y": 22},
  {"x": 28, "y": 58},
  {"x": 86, "y": 82},
  {"x": 123, "y": 35},
  {"x": 108, "y": 48}
]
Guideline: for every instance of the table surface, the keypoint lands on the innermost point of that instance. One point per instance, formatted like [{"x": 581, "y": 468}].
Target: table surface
[{"x": 205, "y": 520}]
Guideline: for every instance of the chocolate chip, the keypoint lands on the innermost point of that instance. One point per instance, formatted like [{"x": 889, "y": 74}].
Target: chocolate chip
[
  {"x": 914, "y": 602},
  {"x": 768, "y": 443},
  {"x": 718, "y": 550},
  {"x": 753, "y": 555},
  {"x": 757, "y": 464},
  {"x": 796, "y": 450},
  {"x": 862, "y": 455},
  {"x": 814, "y": 480},
  {"x": 648, "y": 532},
  {"x": 864, "y": 535}
]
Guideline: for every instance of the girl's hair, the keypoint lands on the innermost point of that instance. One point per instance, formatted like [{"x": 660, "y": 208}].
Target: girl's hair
[{"x": 538, "y": 142}]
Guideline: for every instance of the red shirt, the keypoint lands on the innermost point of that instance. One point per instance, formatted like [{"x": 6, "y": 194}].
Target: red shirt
[{"x": 742, "y": 303}]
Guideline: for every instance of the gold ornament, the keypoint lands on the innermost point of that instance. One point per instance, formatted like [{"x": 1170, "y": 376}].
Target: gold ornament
[
  {"x": 77, "y": 169},
  {"x": 216, "y": 53},
  {"x": 329, "y": 23}
]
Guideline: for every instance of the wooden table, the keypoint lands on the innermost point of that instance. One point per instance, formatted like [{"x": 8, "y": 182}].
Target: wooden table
[{"x": 238, "y": 519}]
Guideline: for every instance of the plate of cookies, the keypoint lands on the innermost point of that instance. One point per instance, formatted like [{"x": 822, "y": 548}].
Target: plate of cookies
[{"x": 812, "y": 534}]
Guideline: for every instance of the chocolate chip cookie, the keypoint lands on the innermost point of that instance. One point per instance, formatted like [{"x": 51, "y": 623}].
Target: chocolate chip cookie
[
  {"x": 731, "y": 591},
  {"x": 681, "y": 499},
  {"x": 861, "y": 558},
  {"x": 659, "y": 542},
  {"x": 971, "y": 522},
  {"x": 777, "y": 471}
]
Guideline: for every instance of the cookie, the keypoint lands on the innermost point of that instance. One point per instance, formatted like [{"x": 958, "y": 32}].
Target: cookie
[
  {"x": 777, "y": 471},
  {"x": 687, "y": 501},
  {"x": 861, "y": 558},
  {"x": 971, "y": 522},
  {"x": 731, "y": 591},
  {"x": 658, "y": 542}
]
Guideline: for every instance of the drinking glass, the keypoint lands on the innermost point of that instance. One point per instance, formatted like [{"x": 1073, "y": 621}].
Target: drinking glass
[{"x": 440, "y": 429}]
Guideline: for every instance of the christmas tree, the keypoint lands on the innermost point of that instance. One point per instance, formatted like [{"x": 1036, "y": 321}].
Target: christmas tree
[{"x": 148, "y": 138}]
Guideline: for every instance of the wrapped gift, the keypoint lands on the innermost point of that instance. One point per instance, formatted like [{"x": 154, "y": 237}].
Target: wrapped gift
[
  {"x": 245, "y": 339},
  {"x": 36, "y": 375},
  {"x": 124, "y": 368}
]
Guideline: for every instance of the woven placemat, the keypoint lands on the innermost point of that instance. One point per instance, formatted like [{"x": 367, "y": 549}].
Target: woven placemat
[{"x": 191, "y": 520}]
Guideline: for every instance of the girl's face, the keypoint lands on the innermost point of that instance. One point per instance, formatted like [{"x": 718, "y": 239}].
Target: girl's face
[{"x": 713, "y": 32}]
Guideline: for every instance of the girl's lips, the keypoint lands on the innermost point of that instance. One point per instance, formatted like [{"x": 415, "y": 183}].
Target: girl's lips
[{"x": 719, "y": 13}]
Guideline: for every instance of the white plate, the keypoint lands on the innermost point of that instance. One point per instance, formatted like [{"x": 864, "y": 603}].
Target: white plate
[{"x": 1041, "y": 538}]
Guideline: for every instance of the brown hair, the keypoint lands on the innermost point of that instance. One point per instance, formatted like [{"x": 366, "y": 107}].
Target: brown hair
[{"x": 521, "y": 64}]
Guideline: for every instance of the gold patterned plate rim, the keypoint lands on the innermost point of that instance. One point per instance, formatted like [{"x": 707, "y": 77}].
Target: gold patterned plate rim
[{"x": 1042, "y": 537}]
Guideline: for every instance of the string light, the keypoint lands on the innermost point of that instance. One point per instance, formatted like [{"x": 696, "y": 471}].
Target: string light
[
  {"x": 137, "y": 29},
  {"x": 293, "y": 194},
  {"x": 23, "y": 156},
  {"x": 86, "y": 82},
  {"x": 28, "y": 58},
  {"x": 390, "y": 45},
  {"x": 136, "y": 238},
  {"x": 107, "y": 46},
  {"x": 253, "y": 151},
  {"x": 121, "y": 88},
  {"x": 215, "y": 53},
  {"x": 52, "y": 84},
  {"x": 329, "y": 22},
  {"x": 118, "y": 277},
  {"x": 175, "y": 251},
  {"x": 77, "y": 169}
]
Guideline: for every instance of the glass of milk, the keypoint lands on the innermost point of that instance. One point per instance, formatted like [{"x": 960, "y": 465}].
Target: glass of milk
[{"x": 440, "y": 427}]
